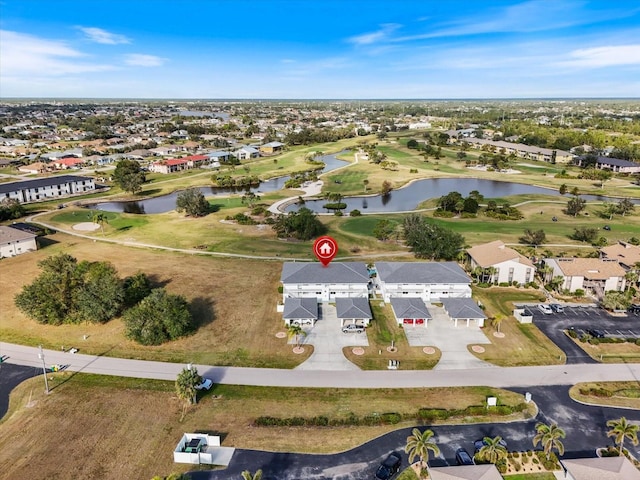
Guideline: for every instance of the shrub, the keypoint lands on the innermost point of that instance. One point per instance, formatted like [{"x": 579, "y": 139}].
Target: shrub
[
  {"x": 355, "y": 213},
  {"x": 572, "y": 333}
]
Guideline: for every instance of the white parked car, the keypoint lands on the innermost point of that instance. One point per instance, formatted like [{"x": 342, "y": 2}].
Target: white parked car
[
  {"x": 205, "y": 385},
  {"x": 546, "y": 309}
]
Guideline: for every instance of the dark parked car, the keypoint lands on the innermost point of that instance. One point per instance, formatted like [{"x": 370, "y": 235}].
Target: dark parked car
[
  {"x": 634, "y": 308},
  {"x": 594, "y": 332},
  {"x": 557, "y": 308},
  {"x": 463, "y": 457},
  {"x": 389, "y": 467},
  {"x": 478, "y": 444}
]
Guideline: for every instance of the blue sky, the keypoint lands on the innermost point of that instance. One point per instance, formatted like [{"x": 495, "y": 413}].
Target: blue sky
[{"x": 319, "y": 49}]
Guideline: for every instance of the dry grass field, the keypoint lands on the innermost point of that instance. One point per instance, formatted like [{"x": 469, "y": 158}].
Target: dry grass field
[
  {"x": 234, "y": 300},
  {"x": 111, "y": 416}
]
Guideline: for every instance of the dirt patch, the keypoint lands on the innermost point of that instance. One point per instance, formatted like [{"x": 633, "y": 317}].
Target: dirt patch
[{"x": 86, "y": 227}]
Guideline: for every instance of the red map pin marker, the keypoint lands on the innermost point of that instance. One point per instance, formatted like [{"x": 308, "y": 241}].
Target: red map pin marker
[{"x": 325, "y": 248}]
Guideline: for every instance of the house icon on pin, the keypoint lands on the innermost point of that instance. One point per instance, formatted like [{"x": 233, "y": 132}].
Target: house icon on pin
[{"x": 325, "y": 249}]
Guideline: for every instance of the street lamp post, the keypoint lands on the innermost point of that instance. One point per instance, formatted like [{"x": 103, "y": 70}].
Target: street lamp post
[{"x": 44, "y": 369}]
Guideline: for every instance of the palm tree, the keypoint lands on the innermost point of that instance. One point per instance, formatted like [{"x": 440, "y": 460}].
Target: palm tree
[
  {"x": 549, "y": 437},
  {"x": 246, "y": 475},
  {"x": 100, "y": 219},
  {"x": 419, "y": 444},
  {"x": 493, "y": 450},
  {"x": 186, "y": 386},
  {"x": 496, "y": 321},
  {"x": 365, "y": 183},
  {"x": 621, "y": 429},
  {"x": 297, "y": 331}
]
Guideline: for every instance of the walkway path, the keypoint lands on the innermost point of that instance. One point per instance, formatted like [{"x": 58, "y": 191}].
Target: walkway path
[{"x": 490, "y": 376}]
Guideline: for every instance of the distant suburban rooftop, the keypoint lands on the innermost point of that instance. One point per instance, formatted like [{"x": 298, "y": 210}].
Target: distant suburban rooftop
[
  {"x": 421, "y": 272},
  {"x": 618, "y": 162},
  {"x": 335, "y": 272},
  {"x": 40, "y": 182},
  {"x": 494, "y": 252}
]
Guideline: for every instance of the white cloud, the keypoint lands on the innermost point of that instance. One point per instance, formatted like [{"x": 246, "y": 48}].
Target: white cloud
[
  {"x": 99, "y": 35},
  {"x": 605, "y": 56},
  {"x": 24, "y": 55},
  {"x": 142, "y": 60},
  {"x": 374, "y": 37}
]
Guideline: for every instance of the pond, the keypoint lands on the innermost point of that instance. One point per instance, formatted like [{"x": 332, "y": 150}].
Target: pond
[
  {"x": 166, "y": 203},
  {"x": 409, "y": 197}
]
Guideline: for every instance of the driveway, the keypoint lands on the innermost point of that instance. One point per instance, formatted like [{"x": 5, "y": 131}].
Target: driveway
[
  {"x": 328, "y": 341},
  {"x": 11, "y": 376},
  {"x": 452, "y": 341}
]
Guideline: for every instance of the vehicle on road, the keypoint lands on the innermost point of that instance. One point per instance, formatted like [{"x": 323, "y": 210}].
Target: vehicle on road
[
  {"x": 352, "y": 328},
  {"x": 478, "y": 444},
  {"x": 594, "y": 332},
  {"x": 557, "y": 308},
  {"x": 389, "y": 467},
  {"x": 463, "y": 457},
  {"x": 544, "y": 308},
  {"x": 634, "y": 308},
  {"x": 205, "y": 385}
]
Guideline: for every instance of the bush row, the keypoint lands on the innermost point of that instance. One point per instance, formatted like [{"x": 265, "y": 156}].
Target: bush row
[{"x": 426, "y": 415}]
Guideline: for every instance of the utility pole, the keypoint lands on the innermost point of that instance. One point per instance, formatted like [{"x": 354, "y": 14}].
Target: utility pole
[{"x": 44, "y": 369}]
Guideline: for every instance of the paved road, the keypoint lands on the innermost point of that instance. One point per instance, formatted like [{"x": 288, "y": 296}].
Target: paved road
[
  {"x": 585, "y": 427},
  {"x": 489, "y": 376},
  {"x": 12, "y": 375}
]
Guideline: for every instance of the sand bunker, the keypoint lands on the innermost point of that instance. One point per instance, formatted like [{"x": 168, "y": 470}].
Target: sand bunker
[{"x": 86, "y": 227}]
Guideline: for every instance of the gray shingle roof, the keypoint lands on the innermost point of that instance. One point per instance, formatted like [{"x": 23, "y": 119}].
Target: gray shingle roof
[
  {"x": 10, "y": 235},
  {"x": 40, "y": 182},
  {"x": 462, "y": 308},
  {"x": 335, "y": 272},
  {"x": 353, "y": 307},
  {"x": 421, "y": 272},
  {"x": 300, "y": 308},
  {"x": 409, "y": 308},
  {"x": 618, "y": 162}
]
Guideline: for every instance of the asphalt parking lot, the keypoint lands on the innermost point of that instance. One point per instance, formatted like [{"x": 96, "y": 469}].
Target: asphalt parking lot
[{"x": 581, "y": 319}]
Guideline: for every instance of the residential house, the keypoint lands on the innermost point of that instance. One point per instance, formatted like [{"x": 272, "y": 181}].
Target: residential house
[
  {"x": 325, "y": 284},
  {"x": 604, "y": 468},
  {"x": 219, "y": 156},
  {"x": 465, "y": 472},
  {"x": 430, "y": 281},
  {"x": 521, "y": 150},
  {"x": 510, "y": 266},
  {"x": 617, "y": 165},
  {"x": 271, "y": 148},
  {"x": 464, "y": 309},
  {"x": 68, "y": 162},
  {"x": 37, "y": 167},
  {"x": 590, "y": 274},
  {"x": 410, "y": 311},
  {"x": 46, "y": 188},
  {"x": 246, "y": 153},
  {"x": 300, "y": 311},
  {"x": 178, "y": 164},
  {"x": 626, "y": 254},
  {"x": 15, "y": 242},
  {"x": 353, "y": 310}
]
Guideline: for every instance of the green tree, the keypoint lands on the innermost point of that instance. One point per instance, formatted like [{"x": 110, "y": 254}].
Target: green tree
[
  {"x": 136, "y": 287},
  {"x": 365, "y": 182},
  {"x": 68, "y": 292},
  {"x": 247, "y": 475},
  {"x": 158, "y": 318},
  {"x": 533, "y": 237},
  {"x": 625, "y": 206},
  {"x": 383, "y": 230},
  {"x": 129, "y": 176},
  {"x": 585, "y": 234},
  {"x": 302, "y": 225},
  {"x": 386, "y": 188},
  {"x": 575, "y": 205},
  {"x": 430, "y": 240},
  {"x": 11, "y": 209},
  {"x": 613, "y": 300},
  {"x": 610, "y": 209},
  {"x": 101, "y": 295},
  {"x": 192, "y": 202},
  {"x": 450, "y": 201},
  {"x": 493, "y": 450},
  {"x": 563, "y": 189},
  {"x": 621, "y": 429},
  {"x": 497, "y": 321},
  {"x": 549, "y": 437},
  {"x": 419, "y": 444}
]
